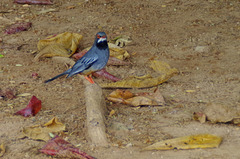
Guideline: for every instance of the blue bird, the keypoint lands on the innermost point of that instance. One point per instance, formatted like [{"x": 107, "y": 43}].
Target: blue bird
[{"x": 94, "y": 60}]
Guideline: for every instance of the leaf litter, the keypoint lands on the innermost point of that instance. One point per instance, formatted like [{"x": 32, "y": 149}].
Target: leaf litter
[
  {"x": 187, "y": 142},
  {"x": 58, "y": 147},
  {"x": 162, "y": 70},
  {"x": 41, "y": 132},
  {"x": 219, "y": 113},
  {"x": 140, "y": 99},
  {"x": 18, "y": 27},
  {"x": 64, "y": 44},
  {"x": 33, "y": 107}
]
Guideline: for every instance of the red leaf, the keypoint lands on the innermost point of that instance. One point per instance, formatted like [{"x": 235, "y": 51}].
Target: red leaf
[
  {"x": 17, "y": 27},
  {"x": 35, "y": 75},
  {"x": 33, "y": 1},
  {"x": 79, "y": 54},
  {"x": 117, "y": 62},
  {"x": 60, "y": 148},
  {"x": 33, "y": 107},
  {"x": 103, "y": 73}
]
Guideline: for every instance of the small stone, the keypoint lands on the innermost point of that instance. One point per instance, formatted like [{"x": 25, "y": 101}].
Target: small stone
[
  {"x": 202, "y": 49},
  {"x": 26, "y": 5}
]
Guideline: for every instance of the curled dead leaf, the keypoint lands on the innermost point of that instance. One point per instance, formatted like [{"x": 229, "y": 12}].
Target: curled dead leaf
[
  {"x": 64, "y": 45},
  {"x": 140, "y": 99},
  {"x": 119, "y": 93}
]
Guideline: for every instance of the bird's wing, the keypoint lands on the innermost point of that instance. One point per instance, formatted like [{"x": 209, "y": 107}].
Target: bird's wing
[{"x": 83, "y": 64}]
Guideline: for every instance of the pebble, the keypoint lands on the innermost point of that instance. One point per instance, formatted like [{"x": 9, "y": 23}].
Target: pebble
[
  {"x": 18, "y": 65},
  {"x": 202, "y": 49}
]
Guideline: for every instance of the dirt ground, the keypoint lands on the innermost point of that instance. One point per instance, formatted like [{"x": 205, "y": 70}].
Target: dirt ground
[{"x": 199, "y": 38}]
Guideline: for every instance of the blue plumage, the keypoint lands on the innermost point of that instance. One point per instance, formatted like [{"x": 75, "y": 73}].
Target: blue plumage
[{"x": 95, "y": 59}]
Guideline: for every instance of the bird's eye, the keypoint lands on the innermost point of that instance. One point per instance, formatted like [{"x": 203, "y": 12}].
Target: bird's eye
[
  {"x": 103, "y": 36},
  {"x": 98, "y": 36}
]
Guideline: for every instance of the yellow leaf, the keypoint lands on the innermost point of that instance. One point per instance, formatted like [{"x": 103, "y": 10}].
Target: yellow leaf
[
  {"x": 64, "y": 44},
  {"x": 187, "y": 142},
  {"x": 2, "y": 150},
  {"x": 190, "y": 91},
  {"x": 116, "y": 51},
  {"x": 112, "y": 112},
  {"x": 41, "y": 132},
  {"x": 163, "y": 70}
]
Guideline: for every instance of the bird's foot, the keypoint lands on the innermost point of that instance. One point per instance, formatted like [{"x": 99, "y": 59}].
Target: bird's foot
[{"x": 89, "y": 78}]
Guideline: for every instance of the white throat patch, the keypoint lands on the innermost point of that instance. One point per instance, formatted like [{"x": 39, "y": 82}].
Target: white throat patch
[{"x": 101, "y": 40}]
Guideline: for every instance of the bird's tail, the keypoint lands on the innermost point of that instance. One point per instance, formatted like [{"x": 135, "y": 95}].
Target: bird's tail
[{"x": 51, "y": 79}]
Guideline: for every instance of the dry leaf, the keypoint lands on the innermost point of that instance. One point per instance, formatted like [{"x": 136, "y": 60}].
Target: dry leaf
[
  {"x": 112, "y": 112},
  {"x": 60, "y": 148},
  {"x": 41, "y": 132},
  {"x": 119, "y": 93},
  {"x": 24, "y": 94},
  {"x": 116, "y": 51},
  {"x": 200, "y": 117},
  {"x": 187, "y": 142},
  {"x": 64, "y": 45},
  {"x": 163, "y": 70},
  {"x": 141, "y": 99},
  {"x": 33, "y": 107},
  {"x": 122, "y": 41},
  {"x": 222, "y": 113},
  {"x": 18, "y": 27},
  {"x": 2, "y": 149},
  {"x": 104, "y": 74},
  {"x": 190, "y": 91}
]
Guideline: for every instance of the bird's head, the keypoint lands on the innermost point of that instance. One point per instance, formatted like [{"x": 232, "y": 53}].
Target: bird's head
[{"x": 101, "y": 39}]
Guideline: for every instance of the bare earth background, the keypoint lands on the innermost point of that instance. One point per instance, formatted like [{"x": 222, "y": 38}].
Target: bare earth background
[{"x": 199, "y": 38}]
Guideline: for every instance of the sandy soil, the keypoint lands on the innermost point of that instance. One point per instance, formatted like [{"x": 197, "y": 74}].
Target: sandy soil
[{"x": 199, "y": 38}]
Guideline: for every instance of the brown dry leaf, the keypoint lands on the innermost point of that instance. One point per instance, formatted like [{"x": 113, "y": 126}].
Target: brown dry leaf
[
  {"x": 41, "y": 132},
  {"x": 200, "y": 117},
  {"x": 163, "y": 70},
  {"x": 140, "y": 100},
  {"x": 126, "y": 97},
  {"x": 2, "y": 149},
  {"x": 64, "y": 45},
  {"x": 222, "y": 113},
  {"x": 119, "y": 93},
  {"x": 187, "y": 142},
  {"x": 158, "y": 97},
  {"x": 116, "y": 51}
]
